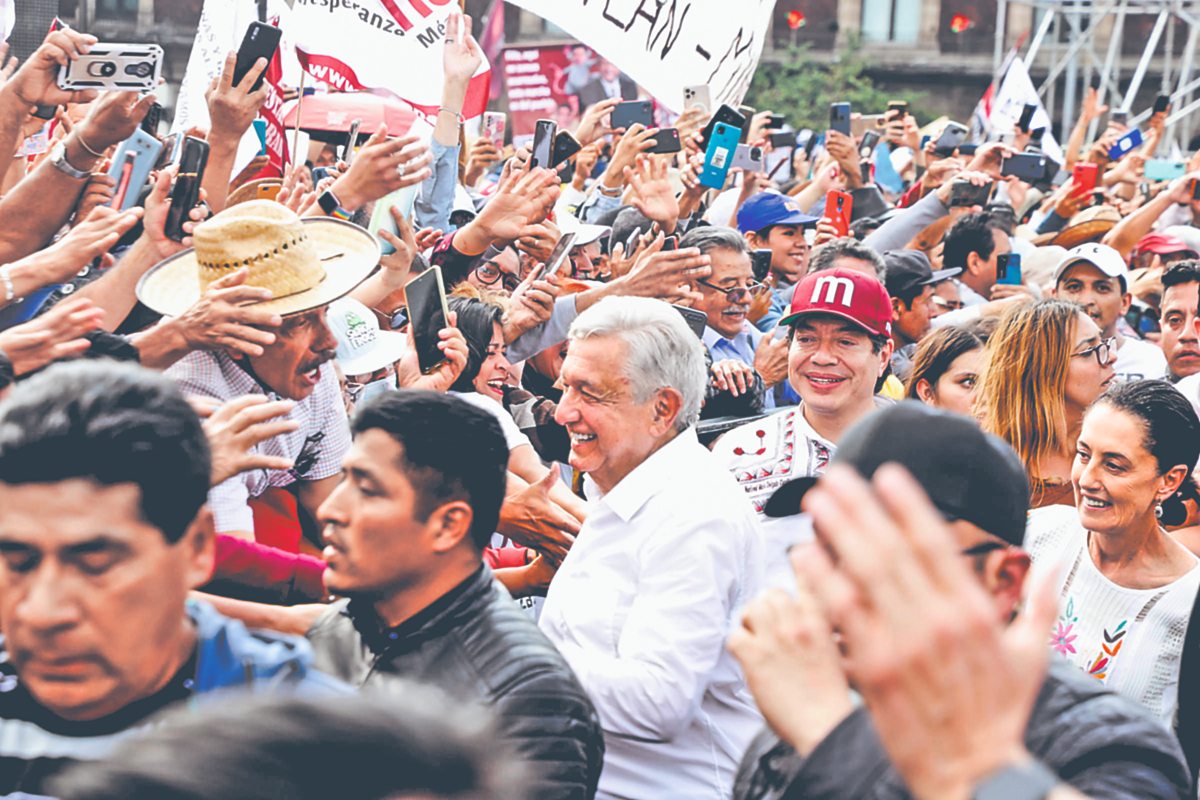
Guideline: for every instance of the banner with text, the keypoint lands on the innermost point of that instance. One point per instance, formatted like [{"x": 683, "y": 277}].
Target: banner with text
[
  {"x": 394, "y": 45},
  {"x": 669, "y": 44}
]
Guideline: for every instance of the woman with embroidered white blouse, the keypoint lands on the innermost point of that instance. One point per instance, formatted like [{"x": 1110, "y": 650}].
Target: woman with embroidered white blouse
[{"x": 1127, "y": 587}]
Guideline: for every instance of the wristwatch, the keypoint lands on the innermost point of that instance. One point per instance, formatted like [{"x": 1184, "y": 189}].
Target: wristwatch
[
  {"x": 332, "y": 206},
  {"x": 1032, "y": 781},
  {"x": 58, "y": 157}
]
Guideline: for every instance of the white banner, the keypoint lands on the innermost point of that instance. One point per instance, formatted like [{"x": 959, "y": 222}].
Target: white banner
[
  {"x": 669, "y": 44},
  {"x": 1015, "y": 91},
  {"x": 393, "y": 45}
]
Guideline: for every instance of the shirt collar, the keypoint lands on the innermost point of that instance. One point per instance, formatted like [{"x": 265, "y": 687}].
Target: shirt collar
[{"x": 668, "y": 463}]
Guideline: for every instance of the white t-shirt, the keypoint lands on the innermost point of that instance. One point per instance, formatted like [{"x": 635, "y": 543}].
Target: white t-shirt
[
  {"x": 1131, "y": 640},
  {"x": 512, "y": 434},
  {"x": 1137, "y": 360}
]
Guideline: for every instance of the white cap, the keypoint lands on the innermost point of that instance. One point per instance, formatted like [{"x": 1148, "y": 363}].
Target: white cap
[
  {"x": 1100, "y": 256},
  {"x": 584, "y": 234},
  {"x": 362, "y": 346}
]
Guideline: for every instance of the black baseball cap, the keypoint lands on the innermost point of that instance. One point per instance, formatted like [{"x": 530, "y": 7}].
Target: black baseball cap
[
  {"x": 968, "y": 474},
  {"x": 909, "y": 269}
]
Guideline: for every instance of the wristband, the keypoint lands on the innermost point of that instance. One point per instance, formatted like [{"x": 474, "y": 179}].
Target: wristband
[
  {"x": 330, "y": 204},
  {"x": 457, "y": 115},
  {"x": 604, "y": 190}
]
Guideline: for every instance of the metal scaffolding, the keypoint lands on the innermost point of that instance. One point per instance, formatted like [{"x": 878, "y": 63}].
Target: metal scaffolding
[{"x": 1093, "y": 52}]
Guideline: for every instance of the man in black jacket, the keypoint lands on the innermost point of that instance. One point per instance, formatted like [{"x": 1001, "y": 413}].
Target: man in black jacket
[
  {"x": 420, "y": 496},
  {"x": 1078, "y": 737}
]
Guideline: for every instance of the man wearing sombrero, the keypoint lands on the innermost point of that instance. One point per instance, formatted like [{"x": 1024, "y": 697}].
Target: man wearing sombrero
[{"x": 303, "y": 266}]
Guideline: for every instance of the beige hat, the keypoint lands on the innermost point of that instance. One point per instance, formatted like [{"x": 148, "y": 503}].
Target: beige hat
[
  {"x": 261, "y": 189},
  {"x": 305, "y": 263},
  {"x": 1087, "y": 225}
]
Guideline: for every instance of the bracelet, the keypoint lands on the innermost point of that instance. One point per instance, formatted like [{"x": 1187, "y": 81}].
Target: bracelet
[
  {"x": 84, "y": 145},
  {"x": 604, "y": 190},
  {"x": 10, "y": 292},
  {"x": 456, "y": 114}
]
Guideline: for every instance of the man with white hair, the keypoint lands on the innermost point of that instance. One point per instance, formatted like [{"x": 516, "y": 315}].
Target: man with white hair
[{"x": 643, "y": 603}]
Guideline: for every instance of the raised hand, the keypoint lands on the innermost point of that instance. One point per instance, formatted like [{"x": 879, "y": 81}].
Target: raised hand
[
  {"x": 158, "y": 203},
  {"x": 595, "y": 122},
  {"x": 522, "y": 199},
  {"x": 383, "y": 166},
  {"x": 36, "y": 82},
  {"x": 771, "y": 359},
  {"x": 653, "y": 194},
  {"x": 453, "y": 345},
  {"x": 53, "y": 336},
  {"x": 235, "y": 428},
  {"x": 232, "y": 107},
  {"x": 226, "y": 318},
  {"x": 397, "y": 265}
]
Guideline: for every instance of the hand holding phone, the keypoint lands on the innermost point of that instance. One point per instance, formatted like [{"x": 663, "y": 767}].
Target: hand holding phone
[
  {"x": 558, "y": 256},
  {"x": 1008, "y": 269},
  {"x": 839, "y": 118},
  {"x": 428, "y": 314},
  {"x": 839, "y": 207},
  {"x": 261, "y": 41},
  {"x": 542, "y": 154},
  {"x": 186, "y": 192}
]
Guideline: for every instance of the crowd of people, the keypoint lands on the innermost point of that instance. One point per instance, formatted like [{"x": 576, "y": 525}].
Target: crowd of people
[{"x": 742, "y": 502}]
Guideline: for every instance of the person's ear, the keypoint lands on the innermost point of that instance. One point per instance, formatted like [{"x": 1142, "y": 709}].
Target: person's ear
[
  {"x": 897, "y": 309},
  {"x": 198, "y": 544},
  {"x": 1170, "y": 481},
  {"x": 1126, "y": 302},
  {"x": 752, "y": 240},
  {"x": 449, "y": 524},
  {"x": 925, "y": 392},
  {"x": 1004, "y": 574},
  {"x": 885, "y": 356},
  {"x": 668, "y": 403}
]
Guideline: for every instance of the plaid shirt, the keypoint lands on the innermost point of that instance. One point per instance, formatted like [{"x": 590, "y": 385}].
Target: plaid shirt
[{"x": 317, "y": 447}]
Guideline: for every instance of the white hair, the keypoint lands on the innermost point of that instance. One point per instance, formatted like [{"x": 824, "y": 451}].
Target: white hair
[{"x": 662, "y": 351}]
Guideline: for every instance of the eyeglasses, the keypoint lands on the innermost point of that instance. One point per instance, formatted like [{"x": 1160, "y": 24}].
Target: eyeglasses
[
  {"x": 1102, "y": 351},
  {"x": 488, "y": 274},
  {"x": 738, "y": 294}
]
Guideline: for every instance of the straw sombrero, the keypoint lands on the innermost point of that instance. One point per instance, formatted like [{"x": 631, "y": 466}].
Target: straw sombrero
[
  {"x": 261, "y": 189},
  {"x": 1088, "y": 225},
  {"x": 305, "y": 263}
]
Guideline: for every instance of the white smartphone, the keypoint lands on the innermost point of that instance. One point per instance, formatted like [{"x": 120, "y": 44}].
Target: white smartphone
[
  {"x": 117, "y": 67},
  {"x": 494, "y": 123},
  {"x": 697, "y": 96}
]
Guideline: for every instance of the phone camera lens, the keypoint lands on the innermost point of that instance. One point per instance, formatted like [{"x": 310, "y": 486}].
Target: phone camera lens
[
  {"x": 141, "y": 69},
  {"x": 102, "y": 69}
]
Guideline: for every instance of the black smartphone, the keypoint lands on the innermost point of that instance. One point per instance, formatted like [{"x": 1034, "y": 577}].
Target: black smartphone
[
  {"x": 1161, "y": 102},
  {"x": 427, "y": 314},
  {"x": 351, "y": 141},
  {"x": 666, "y": 141},
  {"x": 839, "y": 117},
  {"x": 1119, "y": 117},
  {"x": 565, "y": 146},
  {"x": 725, "y": 114},
  {"x": 1035, "y": 138},
  {"x": 781, "y": 139},
  {"x": 166, "y": 156},
  {"x": 631, "y": 112},
  {"x": 543, "y": 144},
  {"x": 870, "y": 141},
  {"x": 760, "y": 263},
  {"x": 186, "y": 191},
  {"x": 952, "y": 136},
  {"x": 897, "y": 108},
  {"x": 968, "y": 149},
  {"x": 153, "y": 117},
  {"x": 669, "y": 244},
  {"x": 776, "y": 121},
  {"x": 1028, "y": 167},
  {"x": 261, "y": 41},
  {"x": 558, "y": 256},
  {"x": 696, "y": 319},
  {"x": 810, "y": 144},
  {"x": 964, "y": 194},
  {"x": 1026, "y": 117}
]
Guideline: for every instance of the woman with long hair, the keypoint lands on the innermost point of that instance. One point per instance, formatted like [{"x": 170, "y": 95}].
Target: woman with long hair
[
  {"x": 945, "y": 369},
  {"x": 1045, "y": 364}
]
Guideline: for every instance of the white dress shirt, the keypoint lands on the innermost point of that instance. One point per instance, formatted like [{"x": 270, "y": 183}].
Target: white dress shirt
[{"x": 641, "y": 609}]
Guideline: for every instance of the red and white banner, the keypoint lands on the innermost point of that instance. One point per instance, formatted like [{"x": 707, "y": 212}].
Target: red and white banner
[{"x": 390, "y": 45}]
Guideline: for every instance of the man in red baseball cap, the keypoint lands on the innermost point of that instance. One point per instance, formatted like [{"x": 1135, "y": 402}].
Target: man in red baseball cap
[{"x": 840, "y": 326}]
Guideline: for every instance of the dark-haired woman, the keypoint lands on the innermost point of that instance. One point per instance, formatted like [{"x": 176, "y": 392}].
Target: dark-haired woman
[
  {"x": 945, "y": 369},
  {"x": 1127, "y": 587}
]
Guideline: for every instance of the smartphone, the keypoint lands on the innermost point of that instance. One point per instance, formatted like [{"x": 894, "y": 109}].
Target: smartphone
[
  {"x": 124, "y": 67},
  {"x": 494, "y": 123},
  {"x": 351, "y": 141},
  {"x": 1196, "y": 190},
  {"x": 168, "y": 154},
  {"x": 1164, "y": 169},
  {"x": 1083, "y": 178},
  {"x": 153, "y": 116},
  {"x": 868, "y": 202},
  {"x": 1119, "y": 117},
  {"x": 839, "y": 117},
  {"x": 760, "y": 263},
  {"x": 1008, "y": 269},
  {"x": 558, "y": 256},
  {"x": 782, "y": 139},
  {"x": 543, "y": 144},
  {"x": 381, "y": 218},
  {"x": 1029, "y": 167},
  {"x": 718, "y": 158},
  {"x": 725, "y": 114},
  {"x": 319, "y": 174},
  {"x": 747, "y": 158},
  {"x": 186, "y": 191},
  {"x": 866, "y": 148},
  {"x": 964, "y": 194},
  {"x": 666, "y": 141},
  {"x": 427, "y": 314},
  {"x": 952, "y": 136},
  {"x": 968, "y": 149},
  {"x": 697, "y": 96},
  {"x": 565, "y": 146},
  {"x": 135, "y": 158},
  {"x": 696, "y": 319},
  {"x": 1125, "y": 144},
  {"x": 776, "y": 121},
  {"x": 1027, "y": 113},
  {"x": 839, "y": 207},
  {"x": 627, "y": 114},
  {"x": 1035, "y": 139},
  {"x": 867, "y": 122},
  {"x": 261, "y": 41},
  {"x": 669, "y": 243},
  {"x": 897, "y": 108},
  {"x": 1161, "y": 103}
]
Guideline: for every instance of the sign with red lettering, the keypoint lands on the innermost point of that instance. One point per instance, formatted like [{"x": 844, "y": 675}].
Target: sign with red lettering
[{"x": 393, "y": 45}]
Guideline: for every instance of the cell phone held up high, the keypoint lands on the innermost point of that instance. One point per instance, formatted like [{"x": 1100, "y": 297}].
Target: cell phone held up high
[
  {"x": 351, "y": 141},
  {"x": 666, "y": 141},
  {"x": 760, "y": 263},
  {"x": 261, "y": 41},
  {"x": 1196, "y": 190},
  {"x": 427, "y": 314},
  {"x": 952, "y": 136},
  {"x": 565, "y": 146},
  {"x": 131, "y": 167},
  {"x": 543, "y": 144},
  {"x": 626, "y": 115},
  {"x": 1125, "y": 144},
  {"x": 964, "y": 194},
  {"x": 1029, "y": 167},
  {"x": 696, "y": 319},
  {"x": 1161, "y": 103},
  {"x": 718, "y": 158},
  {"x": 558, "y": 256},
  {"x": 185, "y": 193},
  {"x": 1083, "y": 178},
  {"x": 698, "y": 95},
  {"x": 1008, "y": 269},
  {"x": 114, "y": 67},
  {"x": 726, "y": 115},
  {"x": 1026, "y": 119},
  {"x": 839, "y": 118},
  {"x": 839, "y": 208},
  {"x": 494, "y": 123}
]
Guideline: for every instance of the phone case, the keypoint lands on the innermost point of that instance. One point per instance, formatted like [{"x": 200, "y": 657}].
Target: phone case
[
  {"x": 696, "y": 320},
  {"x": 747, "y": 158},
  {"x": 1012, "y": 272},
  {"x": 493, "y": 128},
  {"x": 428, "y": 313},
  {"x": 1126, "y": 143},
  {"x": 543, "y": 144},
  {"x": 1026, "y": 166},
  {"x": 186, "y": 191},
  {"x": 697, "y": 96},
  {"x": 724, "y": 114},
  {"x": 1162, "y": 169},
  {"x": 145, "y": 149},
  {"x": 127, "y": 67},
  {"x": 261, "y": 41},
  {"x": 839, "y": 207},
  {"x": 950, "y": 138},
  {"x": 565, "y": 146},
  {"x": 629, "y": 113},
  {"x": 1084, "y": 176},
  {"x": 718, "y": 159},
  {"x": 558, "y": 256},
  {"x": 666, "y": 141},
  {"x": 839, "y": 118}
]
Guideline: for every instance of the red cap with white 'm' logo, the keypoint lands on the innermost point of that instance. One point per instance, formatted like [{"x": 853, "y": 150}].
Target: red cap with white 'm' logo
[{"x": 846, "y": 293}]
